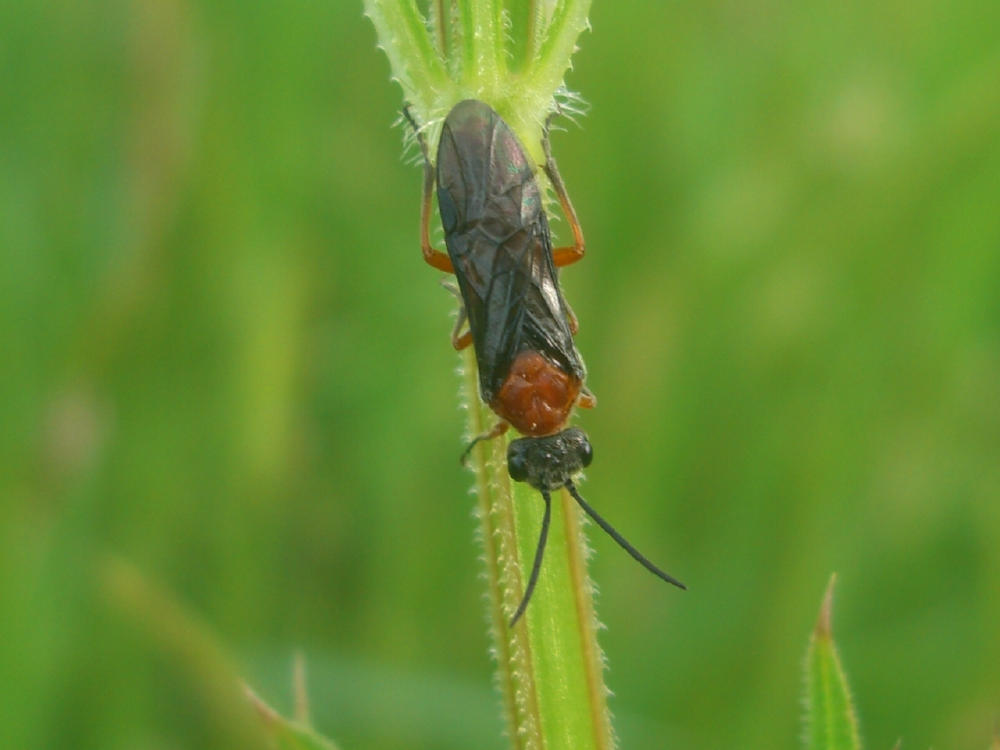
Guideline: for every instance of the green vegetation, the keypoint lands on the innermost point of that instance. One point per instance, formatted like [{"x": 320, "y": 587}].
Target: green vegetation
[
  {"x": 226, "y": 365},
  {"x": 831, "y": 721},
  {"x": 549, "y": 669}
]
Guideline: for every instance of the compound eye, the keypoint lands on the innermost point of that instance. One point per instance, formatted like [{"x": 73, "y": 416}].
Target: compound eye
[
  {"x": 517, "y": 464},
  {"x": 586, "y": 453}
]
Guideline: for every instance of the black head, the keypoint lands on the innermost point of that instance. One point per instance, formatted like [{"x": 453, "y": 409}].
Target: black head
[{"x": 548, "y": 463}]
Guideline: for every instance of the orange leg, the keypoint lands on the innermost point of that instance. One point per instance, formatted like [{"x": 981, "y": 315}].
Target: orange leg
[
  {"x": 574, "y": 324},
  {"x": 434, "y": 257},
  {"x": 586, "y": 399},
  {"x": 460, "y": 341},
  {"x": 563, "y": 256}
]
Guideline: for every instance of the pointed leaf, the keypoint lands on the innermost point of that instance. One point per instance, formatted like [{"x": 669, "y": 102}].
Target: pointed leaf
[
  {"x": 831, "y": 722},
  {"x": 287, "y": 734}
]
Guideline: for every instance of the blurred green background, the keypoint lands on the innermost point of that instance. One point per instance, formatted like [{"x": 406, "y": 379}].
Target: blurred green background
[{"x": 226, "y": 365}]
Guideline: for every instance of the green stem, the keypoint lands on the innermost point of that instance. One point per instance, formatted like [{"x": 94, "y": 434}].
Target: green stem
[
  {"x": 549, "y": 667},
  {"x": 440, "y": 21},
  {"x": 549, "y": 664},
  {"x": 524, "y": 15}
]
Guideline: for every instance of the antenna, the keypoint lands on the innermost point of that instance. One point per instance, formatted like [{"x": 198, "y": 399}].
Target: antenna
[
  {"x": 533, "y": 579},
  {"x": 621, "y": 540}
]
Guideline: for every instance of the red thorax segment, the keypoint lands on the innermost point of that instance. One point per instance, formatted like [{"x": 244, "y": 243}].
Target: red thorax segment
[{"x": 537, "y": 396}]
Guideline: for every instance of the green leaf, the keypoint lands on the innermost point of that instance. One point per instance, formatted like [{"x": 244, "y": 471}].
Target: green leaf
[
  {"x": 285, "y": 733},
  {"x": 465, "y": 49},
  {"x": 831, "y": 722},
  {"x": 211, "y": 676}
]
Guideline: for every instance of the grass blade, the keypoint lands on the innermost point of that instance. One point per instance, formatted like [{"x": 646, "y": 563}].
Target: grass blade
[
  {"x": 286, "y": 733},
  {"x": 831, "y": 722}
]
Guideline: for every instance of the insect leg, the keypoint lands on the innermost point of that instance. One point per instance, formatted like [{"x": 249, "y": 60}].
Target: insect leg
[
  {"x": 498, "y": 429},
  {"x": 574, "y": 324},
  {"x": 434, "y": 257},
  {"x": 563, "y": 256},
  {"x": 460, "y": 341},
  {"x": 537, "y": 565}
]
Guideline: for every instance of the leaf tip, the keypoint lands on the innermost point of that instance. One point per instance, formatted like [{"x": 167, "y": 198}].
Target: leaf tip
[{"x": 824, "y": 623}]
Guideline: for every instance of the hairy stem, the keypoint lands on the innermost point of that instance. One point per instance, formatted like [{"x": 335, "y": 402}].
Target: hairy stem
[{"x": 549, "y": 665}]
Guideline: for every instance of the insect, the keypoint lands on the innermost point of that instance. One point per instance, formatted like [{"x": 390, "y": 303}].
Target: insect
[{"x": 500, "y": 250}]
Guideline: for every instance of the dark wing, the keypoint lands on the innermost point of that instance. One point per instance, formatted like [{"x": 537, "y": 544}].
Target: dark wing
[{"x": 498, "y": 240}]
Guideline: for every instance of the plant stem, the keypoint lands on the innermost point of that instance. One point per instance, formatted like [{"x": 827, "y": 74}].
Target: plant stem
[{"x": 549, "y": 665}]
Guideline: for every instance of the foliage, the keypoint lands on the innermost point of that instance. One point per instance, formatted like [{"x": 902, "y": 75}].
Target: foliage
[{"x": 831, "y": 721}]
